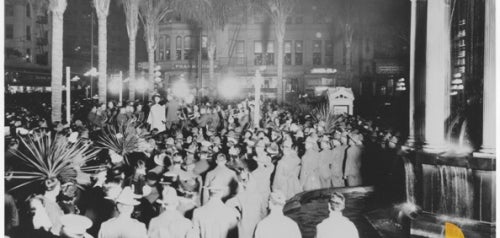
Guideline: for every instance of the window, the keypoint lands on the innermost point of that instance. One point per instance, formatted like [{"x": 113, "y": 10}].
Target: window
[
  {"x": 28, "y": 10},
  {"x": 28, "y": 33},
  {"x": 28, "y": 55},
  {"x": 298, "y": 52},
  {"x": 188, "y": 48},
  {"x": 289, "y": 20},
  {"x": 299, "y": 20},
  {"x": 317, "y": 19},
  {"x": 240, "y": 52},
  {"x": 161, "y": 48},
  {"x": 204, "y": 48},
  {"x": 317, "y": 52},
  {"x": 258, "y": 53},
  {"x": 270, "y": 53},
  {"x": 9, "y": 31},
  {"x": 287, "y": 47},
  {"x": 167, "y": 47},
  {"x": 178, "y": 48},
  {"x": 328, "y": 52},
  {"x": 9, "y": 10}
]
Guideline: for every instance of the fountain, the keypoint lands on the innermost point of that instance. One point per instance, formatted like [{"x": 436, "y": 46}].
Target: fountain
[{"x": 456, "y": 188}]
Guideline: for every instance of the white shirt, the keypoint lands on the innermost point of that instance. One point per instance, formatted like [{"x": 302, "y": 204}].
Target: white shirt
[
  {"x": 277, "y": 226},
  {"x": 336, "y": 226},
  {"x": 122, "y": 227},
  {"x": 157, "y": 117}
]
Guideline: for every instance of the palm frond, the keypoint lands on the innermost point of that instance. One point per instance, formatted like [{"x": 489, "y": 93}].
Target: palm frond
[
  {"x": 123, "y": 139},
  {"x": 46, "y": 158},
  {"x": 323, "y": 114}
]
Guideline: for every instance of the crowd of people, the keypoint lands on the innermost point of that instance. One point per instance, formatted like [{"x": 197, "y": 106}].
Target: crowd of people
[{"x": 183, "y": 170}]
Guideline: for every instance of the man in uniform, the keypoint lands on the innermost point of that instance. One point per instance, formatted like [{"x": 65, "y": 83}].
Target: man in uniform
[
  {"x": 170, "y": 223},
  {"x": 277, "y": 225},
  {"x": 220, "y": 176},
  {"x": 123, "y": 226},
  {"x": 336, "y": 224},
  {"x": 215, "y": 219}
]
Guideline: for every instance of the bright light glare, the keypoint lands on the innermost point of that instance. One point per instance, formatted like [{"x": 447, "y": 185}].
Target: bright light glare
[
  {"x": 141, "y": 84},
  {"x": 229, "y": 88},
  {"x": 92, "y": 72},
  {"x": 181, "y": 89},
  {"x": 114, "y": 86}
]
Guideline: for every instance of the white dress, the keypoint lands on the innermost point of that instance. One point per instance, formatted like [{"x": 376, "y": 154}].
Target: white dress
[{"x": 157, "y": 117}]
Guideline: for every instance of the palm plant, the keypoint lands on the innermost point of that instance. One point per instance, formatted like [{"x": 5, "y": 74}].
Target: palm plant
[
  {"x": 102, "y": 9},
  {"x": 131, "y": 9},
  {"x": 213, "y": 16},
  {"x": 151, "y": 13},
  {"x": 57, "y": 7},
  {"x": 58, "y": 158},
  {"x": 323, "y": 114},
  {"x": 279, "y": 11},
  {"x": 123, "y": 139}
]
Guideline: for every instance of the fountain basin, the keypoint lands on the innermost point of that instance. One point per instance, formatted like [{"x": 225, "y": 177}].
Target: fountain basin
[
  {"x": 309, "y": 208},
  {"x": 455, "y": 188},
  {"x": 466, "y": 160},
  {"x": 432, "y": 225}
]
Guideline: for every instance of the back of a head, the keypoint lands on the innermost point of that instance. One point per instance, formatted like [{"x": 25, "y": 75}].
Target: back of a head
[{"x": 337, "y": 202}]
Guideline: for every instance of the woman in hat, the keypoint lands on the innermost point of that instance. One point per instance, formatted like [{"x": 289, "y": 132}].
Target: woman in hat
[
  {"x": 157, "y": 116},
  {"x": 286, "y": 177}
]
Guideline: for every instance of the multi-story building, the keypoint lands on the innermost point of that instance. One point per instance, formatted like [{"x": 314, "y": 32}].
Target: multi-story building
[
  {"x": 26, "y": 46},
  {"x": 26, "y": 32},
  {"x": 314, "y": 52}
]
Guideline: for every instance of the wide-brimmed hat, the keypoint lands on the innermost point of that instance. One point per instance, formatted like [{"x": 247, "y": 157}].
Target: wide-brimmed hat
[
  {"x": 127, "y": 197},
  {"x": 278, "y": 198},
  {"x": 216, "y": 140},
  {"x": 156, "y": 95},
  {"x": 160, "y": 159},
  {"x": 191, "y": 149},
  {"x": 75, "y": 225},
  {"x": 273, "y": 149},
  {"x": 232, "y": 140},
  {"x": 169, "y": 197},
  {"x": 287, "y": 143},
  {"x": 170, "y": 141}
]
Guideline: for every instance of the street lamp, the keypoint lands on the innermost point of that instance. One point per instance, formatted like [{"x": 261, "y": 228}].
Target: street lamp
[{"x": 91, "y": 73}]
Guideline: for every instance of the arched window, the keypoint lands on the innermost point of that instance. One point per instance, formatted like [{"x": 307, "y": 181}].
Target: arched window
[
  {"x": 161, "y": 48},
  {"x": 28, "y": 10},
  {"x": 178, "y": 48},
  {"x": 167, "y": 47}
]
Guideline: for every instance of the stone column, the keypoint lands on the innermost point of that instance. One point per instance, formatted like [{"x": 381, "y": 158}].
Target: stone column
[
  {"x": 488, "y": 148},
  {"x": 411, "y": 81},
  {"x": 437, "y": 75}
]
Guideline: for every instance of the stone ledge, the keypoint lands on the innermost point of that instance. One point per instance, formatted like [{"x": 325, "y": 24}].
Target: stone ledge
[
  {"x": 467, "y": 161},
  {"x": 432, "y": 225}
]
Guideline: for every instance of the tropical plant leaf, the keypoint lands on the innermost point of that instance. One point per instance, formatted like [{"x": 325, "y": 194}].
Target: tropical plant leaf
[{"x": 47, "y": 158}]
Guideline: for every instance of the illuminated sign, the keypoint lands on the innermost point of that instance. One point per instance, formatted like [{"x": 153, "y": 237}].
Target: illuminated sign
[{"x": 323, "y": 71}]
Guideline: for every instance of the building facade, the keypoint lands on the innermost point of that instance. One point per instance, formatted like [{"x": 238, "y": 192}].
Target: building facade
[{"x": 314, "y": 53}]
